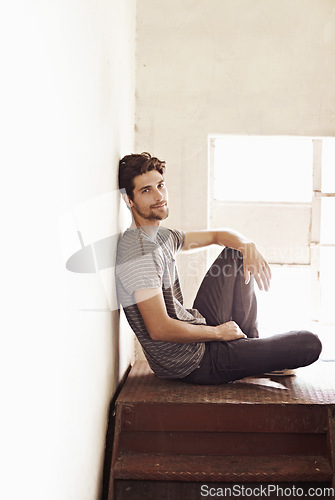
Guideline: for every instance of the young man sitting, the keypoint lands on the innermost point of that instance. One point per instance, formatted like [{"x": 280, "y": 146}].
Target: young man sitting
[{"x": 217, "y": 341}]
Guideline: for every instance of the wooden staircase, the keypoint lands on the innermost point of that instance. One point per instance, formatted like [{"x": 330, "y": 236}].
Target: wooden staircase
[{"x": 172, "y": 437}]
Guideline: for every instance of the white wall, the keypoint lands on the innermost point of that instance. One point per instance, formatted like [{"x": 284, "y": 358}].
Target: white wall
[
  {"x": 67, "y": 115},
  {"x": 262, "y": 67}
]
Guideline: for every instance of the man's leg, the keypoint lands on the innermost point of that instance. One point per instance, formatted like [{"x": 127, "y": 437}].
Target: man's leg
[
  {"x": 227, "y": 361},
  {"x": 223, "y": 296},
  {"x": 246, "y": 357}
]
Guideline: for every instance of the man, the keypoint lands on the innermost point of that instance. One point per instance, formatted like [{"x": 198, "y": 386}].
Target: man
[{"x": 216, "y": 341}]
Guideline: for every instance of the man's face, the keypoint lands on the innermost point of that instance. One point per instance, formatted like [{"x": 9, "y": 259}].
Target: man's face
[{"x": 150, "y": 197}]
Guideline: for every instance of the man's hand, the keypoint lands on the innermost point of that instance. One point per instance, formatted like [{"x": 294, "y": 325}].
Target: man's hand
[
  {"x": 229, "y": 331},
  {"x": 255, "y": 264},
  {"x": 160, "y": 326}
]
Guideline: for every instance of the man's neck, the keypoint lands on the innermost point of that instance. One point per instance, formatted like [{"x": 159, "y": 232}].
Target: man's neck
[{"x": 149, "y": 229}]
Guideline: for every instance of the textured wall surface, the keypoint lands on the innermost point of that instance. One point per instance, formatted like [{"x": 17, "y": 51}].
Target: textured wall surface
[{"x": 220, "y": 67}]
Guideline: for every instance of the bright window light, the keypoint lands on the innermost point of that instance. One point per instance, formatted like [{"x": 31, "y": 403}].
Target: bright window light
[
  {"x": 328, "y": 165},
  {"x": 272, "y": 169},
  {"x": 327, "y": 221},
  {"x": 327, "y": 284}
]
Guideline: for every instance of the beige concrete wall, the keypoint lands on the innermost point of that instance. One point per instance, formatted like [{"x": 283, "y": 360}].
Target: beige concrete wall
[
  {"x": 67, "y": 115},
  {"x": 262, "y": 67}
]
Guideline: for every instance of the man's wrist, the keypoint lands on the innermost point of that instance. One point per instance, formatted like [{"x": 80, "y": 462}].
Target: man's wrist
[
  {"x": 216, "y": 333},
  {"x": 247, "y": 248}
]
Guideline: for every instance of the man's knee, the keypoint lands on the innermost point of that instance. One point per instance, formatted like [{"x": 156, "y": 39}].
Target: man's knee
[
  {"x": 314, "y": 344},
  {"x": 311, "y": 342},
  {"x": 231, "y": 254},
  {"x": 230, "y": 258}
]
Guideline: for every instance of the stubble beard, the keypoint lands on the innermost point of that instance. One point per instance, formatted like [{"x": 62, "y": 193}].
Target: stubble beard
[{"x": 151, "y": 215}]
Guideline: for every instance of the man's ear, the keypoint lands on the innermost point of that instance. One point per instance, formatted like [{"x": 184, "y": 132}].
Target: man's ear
[{"x": 127, "y": 200}]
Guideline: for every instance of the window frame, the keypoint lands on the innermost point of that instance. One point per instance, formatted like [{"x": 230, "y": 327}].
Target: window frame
[{"x": 314, "y": 243}]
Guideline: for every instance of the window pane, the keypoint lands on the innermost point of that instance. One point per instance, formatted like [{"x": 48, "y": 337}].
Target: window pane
[
  {"x": 328, "y": 165},
  {"x": 327, "y": 278},
  {"x": 263, "y": 168},
  {"x": 288, "y": 283},
  {"x": 327, "y": 220}
]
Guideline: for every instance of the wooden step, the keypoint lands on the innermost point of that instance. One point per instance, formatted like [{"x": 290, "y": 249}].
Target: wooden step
[
  {"x": 195, "y": 490},
  {"x": 224, "y": 443},
  {"x": 139, "y": 466},
  {"x": 169, "y": 435},
  {"x": 229, "y": 417}
]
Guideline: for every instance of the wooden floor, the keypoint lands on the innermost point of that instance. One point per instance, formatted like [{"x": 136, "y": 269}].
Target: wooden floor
[{"x": 171, "y": 437}]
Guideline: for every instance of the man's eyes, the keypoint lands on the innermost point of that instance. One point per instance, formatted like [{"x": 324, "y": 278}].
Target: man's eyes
[{"x": 161, "y": 185}]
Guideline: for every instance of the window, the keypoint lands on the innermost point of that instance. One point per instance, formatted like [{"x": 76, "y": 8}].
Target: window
[
  {"x": 280, "y": 192},
  {"x": 263, "y": 169},
  {"x": 328, "y": 166}
]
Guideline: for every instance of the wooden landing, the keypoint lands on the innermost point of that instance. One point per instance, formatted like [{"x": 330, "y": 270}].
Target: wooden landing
[{"x": 257, "y": 430}]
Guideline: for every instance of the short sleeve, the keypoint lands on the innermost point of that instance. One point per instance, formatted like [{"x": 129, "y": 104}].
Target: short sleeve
[
  {"x": 178, "y": 239},
  {"x": 142, "y": 271}
]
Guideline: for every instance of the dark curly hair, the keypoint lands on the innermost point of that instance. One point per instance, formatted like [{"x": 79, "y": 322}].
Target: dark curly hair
[{"x": 137, "y": 164}]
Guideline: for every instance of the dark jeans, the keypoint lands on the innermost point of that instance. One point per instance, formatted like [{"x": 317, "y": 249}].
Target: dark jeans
[{"x": 223, "y": 296}]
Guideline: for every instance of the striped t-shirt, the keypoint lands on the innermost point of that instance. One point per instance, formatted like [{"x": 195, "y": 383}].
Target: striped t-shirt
[{"x": 150, "y": 262}]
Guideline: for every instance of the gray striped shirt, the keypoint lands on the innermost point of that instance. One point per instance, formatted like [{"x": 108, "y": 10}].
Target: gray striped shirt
[{"x": 145, "y": 262}]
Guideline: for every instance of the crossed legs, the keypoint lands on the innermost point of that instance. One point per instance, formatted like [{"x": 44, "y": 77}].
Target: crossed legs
[{"x": 223, "y": 296}]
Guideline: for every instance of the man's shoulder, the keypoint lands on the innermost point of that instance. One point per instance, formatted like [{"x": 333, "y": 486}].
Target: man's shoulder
[
  {"x": 175, "y": 237},
  {"x": 132, "y": 245},
  {"x": 130, "y": 235},
  {"x": 164, "y": 232},
  {"x": 168, "y": 232},
  {"x": 127, "y": 245}
]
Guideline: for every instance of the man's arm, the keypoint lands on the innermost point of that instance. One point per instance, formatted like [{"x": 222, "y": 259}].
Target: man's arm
[
  {"x": 253, "y": 261},
  {"x": 150, "y": 302}
]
